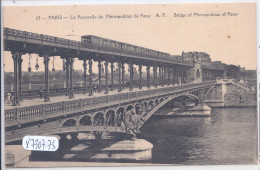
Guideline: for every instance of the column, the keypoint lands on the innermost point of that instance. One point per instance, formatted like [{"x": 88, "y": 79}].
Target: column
[
  {"x": 188, "y": 76},
  {"x": 177, "y": 75},
  {"x": 85, "y": 75},
  {"x": 71, "y": 95},
  {"x": 131, "y": 69},
  {"x": 90, "y": 77},
  {"x": 20, "y": 60},
  {"x": 99, "y": 76},
  {"x": 67, "y": 76},
  {"x": 182, "y": 75},
  {"x": 123, "y": 76},
  {"x": 119, "y": 76},
  {"x": 165, "y": 76},
  {"x": 173, "y": 76},
  {"x": 148, "y": 76},
  {"x": 154, "y": 76},
  {"x": 46, "y": 64},
  {"x": 140, "y": 76},
  {"x": 112, "y": 76},
  {"x": 205, "y": 74},
  {"x": 160, "y": 75},
  {"x": 168, "y": 75},
  {"x": 15, "y": 97},
  {"x": 106, "y": 72}
]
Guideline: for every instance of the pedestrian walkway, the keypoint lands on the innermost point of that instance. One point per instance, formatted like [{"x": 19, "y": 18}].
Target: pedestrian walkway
[{"x": 61, "y": 98}]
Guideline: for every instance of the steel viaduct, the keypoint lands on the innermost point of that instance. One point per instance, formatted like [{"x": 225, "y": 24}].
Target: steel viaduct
[{"x": 106, "y": 111}]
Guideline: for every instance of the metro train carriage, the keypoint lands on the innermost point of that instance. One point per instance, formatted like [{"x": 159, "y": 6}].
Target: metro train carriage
[
  {"x": 142, "y": 50},
  {"x": 136, "y": 49},
  {"x": 129, "y": 47},
  {"x": 153, "y": 53},
  {"x": 112, "y": 44},
  {"x": 90, "y": 39},
  {"x": 101, "y": 42}
]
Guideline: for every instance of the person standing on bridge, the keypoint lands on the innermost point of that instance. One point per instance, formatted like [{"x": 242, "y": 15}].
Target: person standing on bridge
[
  {"x": 41, "y": 92},
  {"x": 8, "y": 97}
]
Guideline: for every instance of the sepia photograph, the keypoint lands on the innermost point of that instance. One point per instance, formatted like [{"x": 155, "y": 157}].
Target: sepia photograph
[{"x": 130, "y": 85}]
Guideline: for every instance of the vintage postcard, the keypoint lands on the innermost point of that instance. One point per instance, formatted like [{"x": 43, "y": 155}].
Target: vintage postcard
[{"x": 127, "y": 85}]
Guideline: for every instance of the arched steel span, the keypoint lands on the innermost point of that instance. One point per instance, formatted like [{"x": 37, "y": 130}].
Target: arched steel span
[{"x": 110, "y": 118}]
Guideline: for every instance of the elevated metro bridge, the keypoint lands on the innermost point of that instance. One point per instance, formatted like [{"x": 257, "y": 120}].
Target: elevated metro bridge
[
  {"x": 108, "y": 110},
  {"x": 102, "y": 113}
]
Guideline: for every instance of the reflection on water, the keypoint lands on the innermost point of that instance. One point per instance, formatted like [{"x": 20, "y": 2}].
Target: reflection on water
[{"x": 229, "y": 136}]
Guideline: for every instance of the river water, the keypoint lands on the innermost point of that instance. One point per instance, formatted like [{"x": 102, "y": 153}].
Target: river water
[{"x": 229, "y": 136}]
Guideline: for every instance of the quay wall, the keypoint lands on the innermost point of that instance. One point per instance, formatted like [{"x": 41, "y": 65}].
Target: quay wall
[{"x": 236, "y": 96}]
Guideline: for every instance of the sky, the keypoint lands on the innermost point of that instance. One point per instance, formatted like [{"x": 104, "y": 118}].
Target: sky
[{"x": 227, "y": 38}]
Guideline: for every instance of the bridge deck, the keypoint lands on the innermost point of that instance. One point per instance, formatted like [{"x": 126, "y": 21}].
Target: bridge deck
[{"x": 60, "y": 98}]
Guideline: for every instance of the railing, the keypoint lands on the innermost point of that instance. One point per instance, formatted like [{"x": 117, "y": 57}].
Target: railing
[
  {"x": 52, "y": 92},
  {"x": 79, "y": 44},
  {"x": 212, "y": 66},
  {"x": 12, "y": 115},
  {"x": 61, "y": 91}
]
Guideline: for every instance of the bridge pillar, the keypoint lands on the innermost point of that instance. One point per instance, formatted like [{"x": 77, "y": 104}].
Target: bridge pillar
[
  {"x": 112, "y": 76},
  {"x": 85, "y": 75},
  {"x": 182, "y": 76},
  {"x": 119, "y": 76},
  {"x": 204, "y": 76},
  {"x": 177, "y": 75},
  {"x": 71, "y": 78},
  {"x": 207, "y": 74},
  {"x": 15, "y": 56},
  {"x": 67, "y": 76},
  {"x": 165, "y": 75},
  {"x": 188, "y": 76},
  {"x": 173, "y": 76},
  {"x": 162, "y": 76},
  {"x": 99, "y": 76},
  {"x": 90, "y": 77},
  {"x": 123, "y": 75},
  {"x": 106, "y": 72},
  {"x": 131, "y": 69},
  {"x": 140, "y": 76},
  {"x": 155, "y": 76},
  {"x": 20, "y": 60},
  {"x": 168, "y": 75},
  {"x": 46, "y": 64},
  {"x": 148, "y": 76},
  {"x": 159, "y": 79}
]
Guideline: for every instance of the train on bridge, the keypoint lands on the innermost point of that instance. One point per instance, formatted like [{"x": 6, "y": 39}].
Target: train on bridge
[{"x": 104, "y": 43}]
